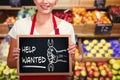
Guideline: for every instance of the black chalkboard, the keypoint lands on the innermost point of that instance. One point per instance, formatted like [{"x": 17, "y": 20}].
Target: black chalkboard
[
  {"x": 44, "y": 55},
  {"x": 103, "y": 28},
  {"x": 99, "y": 3}
]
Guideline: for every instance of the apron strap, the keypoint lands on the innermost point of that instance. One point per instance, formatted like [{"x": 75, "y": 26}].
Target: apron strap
[
  {"x": 33, "y": 25},
  {"x": 54, "y": 25}
]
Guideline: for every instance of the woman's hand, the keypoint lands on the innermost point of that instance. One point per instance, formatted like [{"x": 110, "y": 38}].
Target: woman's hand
[
  {"x": 15, "y": 53},
  {"x": 71, "y": 50}
]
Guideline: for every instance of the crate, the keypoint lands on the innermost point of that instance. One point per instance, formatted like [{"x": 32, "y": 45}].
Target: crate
[{"x": 114, "y": 45}]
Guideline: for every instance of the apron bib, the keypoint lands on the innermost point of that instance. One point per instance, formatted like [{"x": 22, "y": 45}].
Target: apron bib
[{"x": 44, "y": 77}]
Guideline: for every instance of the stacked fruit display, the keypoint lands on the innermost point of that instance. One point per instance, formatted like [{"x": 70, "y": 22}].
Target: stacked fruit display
[
  {"x": 115, "y": 13},
  {"x": 6, "y": 73},
  {"x": 64, "y": 15},
  {"x": 92, "y": 71},
  {"x": 10, "y": 20},
  {"x": 115, "y": 68},
  {"x": 82, "y": 15},
  {"x": 101, "y": 48}
]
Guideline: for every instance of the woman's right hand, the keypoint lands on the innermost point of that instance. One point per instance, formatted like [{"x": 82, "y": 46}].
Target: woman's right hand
[{"x": 16, "y": 53}]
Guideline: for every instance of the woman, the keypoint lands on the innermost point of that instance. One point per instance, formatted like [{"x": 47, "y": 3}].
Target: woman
[{"x": 41, "y": 23}]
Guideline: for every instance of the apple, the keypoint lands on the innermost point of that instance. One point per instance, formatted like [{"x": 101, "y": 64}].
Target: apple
[
  {"x": 101, "y": 68},
  {"x": 96, "y": 48},
  {"x": 93, "y": 51},
  {"x": 118, "y": 77},
  {"x": 101, "y": 51},
  {"x": 96, "y": 74},
  {"x": 88, "y": 48},
  {"x": 107, "y": 78},
  {"x": 109, "y": 74},
  {"x": 99, "y": 55},
  {"x": 108, "y": 45},
  {"x": 77, "y": 72},
  {"x": 115, "y": 72},
  {"x": 88, "y": 63},
  {"x": 112, "y": 61},
  {"x": 91, "y": 44},
  {"x": 102, "y": 78},
  {"x": 83, "y": 73},
  {"x": 95, "y": 78},
  {"x": 89, "y": 78},
  {"x": 116, "y": 66},
  {"x": 105, "y": 48},
  {"x": 99, "y": 63},
  {"x": 89, "y": 55},
  {"x": 103, "y": 73},
  {"x": 90, "y": 73}
]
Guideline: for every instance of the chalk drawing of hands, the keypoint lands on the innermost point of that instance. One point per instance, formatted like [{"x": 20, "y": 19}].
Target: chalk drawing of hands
[{"x": 53, "y": 55}]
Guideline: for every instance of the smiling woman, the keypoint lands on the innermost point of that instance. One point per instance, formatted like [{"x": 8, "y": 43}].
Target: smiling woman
[{"x": 41, "y": 23}]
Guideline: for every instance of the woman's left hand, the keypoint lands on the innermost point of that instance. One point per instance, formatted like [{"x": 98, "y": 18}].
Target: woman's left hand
[{"x": 71, "y": 49}]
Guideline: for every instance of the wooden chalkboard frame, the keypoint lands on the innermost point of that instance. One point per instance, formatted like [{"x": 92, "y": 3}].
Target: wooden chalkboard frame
[{"x": 49, "y": 73}]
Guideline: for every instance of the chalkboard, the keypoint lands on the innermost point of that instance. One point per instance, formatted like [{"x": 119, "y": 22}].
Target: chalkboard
[
  {"x": 99, "y": 3},
  {"x": 103, "y": 28},
  {"x": 44, "y": 55}
]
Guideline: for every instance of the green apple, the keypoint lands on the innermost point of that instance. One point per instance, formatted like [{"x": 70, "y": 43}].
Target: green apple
[
  {"x": 114, "y": 71},
  {"x": 105, "y": 48},
  {"x": 116, "y": 66},
  {"x": 83, "y": 73},
  {"x": 103, "y": 73},
  {"x": 114, "y": 77},
  {"x": 100, "y": 45},
  {"x": 107, "y": 55},
  {"x": 112, "y": 61},
  {"x": 101, "y": 68}
]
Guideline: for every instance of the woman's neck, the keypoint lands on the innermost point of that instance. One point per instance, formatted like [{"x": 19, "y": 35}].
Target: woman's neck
[{"x": 42, "y": 18}]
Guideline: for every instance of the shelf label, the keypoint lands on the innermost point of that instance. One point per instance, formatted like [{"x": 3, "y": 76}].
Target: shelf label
[
  {"x": 103, "y": 28},
  {"x": 99, "y": 3}
]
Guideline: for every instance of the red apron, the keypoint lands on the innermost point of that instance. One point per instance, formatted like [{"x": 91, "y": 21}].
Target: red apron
[{"x": 43, "y": 77}]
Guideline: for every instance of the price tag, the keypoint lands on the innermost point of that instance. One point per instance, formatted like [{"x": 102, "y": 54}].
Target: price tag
[
  {"x": 103, "y": 28},
  {"x": 15, "y": 3},
  {"x": 99, "y": 3}
]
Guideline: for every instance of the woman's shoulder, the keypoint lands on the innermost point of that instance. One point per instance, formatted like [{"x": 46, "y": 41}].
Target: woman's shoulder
[{"x": 23, "y": 20}]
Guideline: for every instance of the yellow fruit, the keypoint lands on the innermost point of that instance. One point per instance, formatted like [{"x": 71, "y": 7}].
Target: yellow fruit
[
  {"x": 110, "y": 51},
  {"x": 96, "y": 48},
  {"x": 103, "y": 41},
  {"x": 108, "y": 45},
  {"x": 91, "y": 44},
  {"x": 93, "y": 51},
  {"x": 95, "y": 41},
  {"x": 98, "y": 55},
  {"x": 112, "y": 61},
  {"x": 101, "y": 51},
  {"x": 100, "y": 45},
  {"x": 89, "y": 55},
  {"x": 86, "y": 41},
  {"x": 88, "y": 48},
  {"x": 105, "y": 48}
]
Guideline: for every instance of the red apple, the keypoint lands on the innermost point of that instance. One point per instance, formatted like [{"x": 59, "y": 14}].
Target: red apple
[
  {"x": 91, "y": 73},
  {"x": 99, "y": 63},
  {"x": 102, "y": 78},
  {"x": 77, "y": 72},
  {"x": 109, "y": 74}
]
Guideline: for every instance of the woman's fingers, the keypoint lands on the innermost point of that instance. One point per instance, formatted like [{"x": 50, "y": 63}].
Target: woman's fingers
[
  {"x": 16, "y": 52},
  {"x": 72, "y": 48}
]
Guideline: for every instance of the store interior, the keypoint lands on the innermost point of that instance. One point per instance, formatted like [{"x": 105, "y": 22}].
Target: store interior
[{"x": 97, "y": 29}]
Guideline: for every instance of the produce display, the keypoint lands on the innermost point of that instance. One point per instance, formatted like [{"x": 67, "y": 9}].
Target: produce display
[
  {"x": 115, "y": 13},
  {"x": 101, "y": 48},
  {"x": 108, "y": 70},
  {"x": 6, "y": 73},
  {"x": 64, "y": 15},
  {"x": 82, "y": 15}
]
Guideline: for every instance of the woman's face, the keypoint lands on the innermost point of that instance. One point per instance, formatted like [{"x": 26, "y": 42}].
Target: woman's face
[{"x": 45, "y": 6}]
